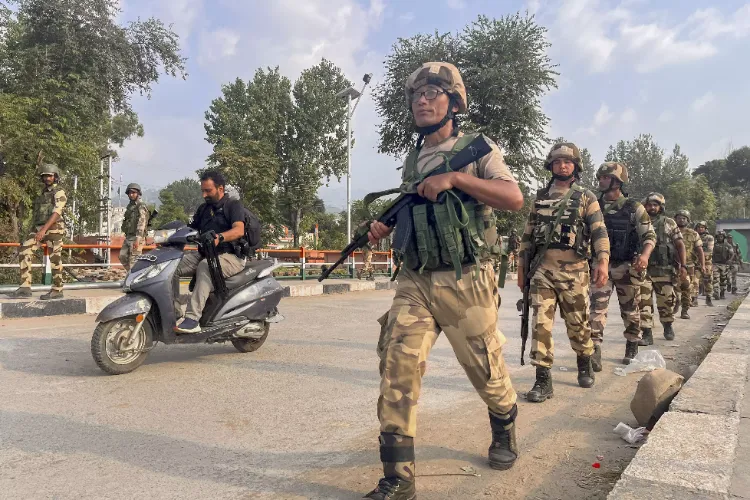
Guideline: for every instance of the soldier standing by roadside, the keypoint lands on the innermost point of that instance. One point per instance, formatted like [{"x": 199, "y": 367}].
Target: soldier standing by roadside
[
  {"x": 631, "y": 240},
  {"x": 660, "y": 275},
  {"x": 736, "y": 263},
  {"x": 434, "y": 295},
  {"x": 135, "y": 226},
  {"x": 514, "y": 242},
  {"x": 707, "y": 276},
  {"x": 723, "y": 257},
  {"x": 48, "y": 227},
  {"x": 687, "y": 293},
  {"x": 564, "y": 224}
]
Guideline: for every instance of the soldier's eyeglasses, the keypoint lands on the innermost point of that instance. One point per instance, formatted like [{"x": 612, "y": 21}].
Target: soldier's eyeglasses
[{"x": 430, "y": 95}]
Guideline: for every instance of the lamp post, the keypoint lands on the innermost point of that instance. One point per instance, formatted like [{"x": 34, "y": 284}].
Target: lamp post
[{"x": 350, "y": 95}]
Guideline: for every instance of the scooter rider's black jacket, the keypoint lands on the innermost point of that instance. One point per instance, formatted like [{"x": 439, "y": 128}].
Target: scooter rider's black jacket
[{"x": 219, "y": 217}]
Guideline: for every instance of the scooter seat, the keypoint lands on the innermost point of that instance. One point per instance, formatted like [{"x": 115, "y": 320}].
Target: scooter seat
[{"x": 248, "y": 274}]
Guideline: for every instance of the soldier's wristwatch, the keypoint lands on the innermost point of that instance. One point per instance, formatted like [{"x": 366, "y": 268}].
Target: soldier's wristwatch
[{"x": 221, "y": 237}]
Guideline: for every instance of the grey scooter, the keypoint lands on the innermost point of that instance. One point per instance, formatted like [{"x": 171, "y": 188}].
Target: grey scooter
[{"x": 241, "y": 312}]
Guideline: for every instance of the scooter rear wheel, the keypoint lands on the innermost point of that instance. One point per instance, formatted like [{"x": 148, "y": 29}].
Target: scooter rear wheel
[
  {"x": 111, "y": 349},
  {"x": 251, "y": 345}
]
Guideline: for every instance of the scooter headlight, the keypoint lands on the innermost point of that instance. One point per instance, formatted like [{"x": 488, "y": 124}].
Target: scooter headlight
[
  {"x": 151, "y": 272},
  {"x": 162, "y": 235}
]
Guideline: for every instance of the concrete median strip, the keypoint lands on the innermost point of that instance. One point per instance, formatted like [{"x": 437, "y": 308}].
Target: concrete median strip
[
  {"x": 93, "y": 305},
  {"x": 701, "y": 447}
]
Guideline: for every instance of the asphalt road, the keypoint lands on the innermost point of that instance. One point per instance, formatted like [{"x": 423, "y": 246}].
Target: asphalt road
[{"x": 295, "y": 419}]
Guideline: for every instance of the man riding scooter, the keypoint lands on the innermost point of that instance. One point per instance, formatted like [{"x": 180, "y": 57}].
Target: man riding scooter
[{"x": 225, "y": 217}]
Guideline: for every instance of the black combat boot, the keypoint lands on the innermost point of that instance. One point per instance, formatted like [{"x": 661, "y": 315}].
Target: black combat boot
[
  {"x": 585, "y": 374},
  {"x": 647, "y": 338},
  {"x": 668, "y": 331},
  {"x": 397, "y": 455},
  {"x": 503, "y": 451},
  {"x": 596, "y": 358},
  {"x": 694, "y": 303},
  {"x": 734, "y": 290},
  {"x": 542, "y": 389},
  {"x": 21, "y": 293},
  {"x": 684, "y": 314},
  {"x": 631, "y": 350},
  {"x": 52, "y": 295},
  {"x": 721, "y": 295},
  {"x": 709, "y": 302}
]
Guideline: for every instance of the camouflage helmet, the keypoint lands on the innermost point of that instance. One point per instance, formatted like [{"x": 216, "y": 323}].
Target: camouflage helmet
[
  {"x": 729, "y": 236},
  {"x": 701, "y": 223},
  {"x": 134, "y": 187},
  {"x": 442, "y": 74},
  {"x": 656, "y": 198},
  {"x": 616, "y": 169},
  {"x": 566, "y": 150},
  {"x": 47, "y": 169},
  {"x": 684, "y": 213},
  {"x": 720, "y": 235}
]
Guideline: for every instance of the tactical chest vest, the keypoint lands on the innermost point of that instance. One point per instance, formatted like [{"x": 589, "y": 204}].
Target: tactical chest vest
[
  {"x": 570, "y": 233},
  {"x": 44, "y": 205},
  {"x": 691, "y": 237},
  {"x": 621, "y": 229},
  {"x": 130, "y": 220},
  {"x": 664, "y": 251},
  {"x": 451, "y": 234},
  {"x": 723, "y": 253}
]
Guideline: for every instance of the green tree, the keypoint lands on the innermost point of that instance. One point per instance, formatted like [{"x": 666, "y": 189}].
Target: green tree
[
  {"x": 694, "y": 195},
  {"x": 186, "y": 192},
  {"x": 67, "y": 76},
  {"x": 170, "y": 210},
  {"x": 738, "y": 167},
  {"x": 715, "y": 172},
  {"x": 506, "y": 71},
  {"x": 303, "y": 126}
]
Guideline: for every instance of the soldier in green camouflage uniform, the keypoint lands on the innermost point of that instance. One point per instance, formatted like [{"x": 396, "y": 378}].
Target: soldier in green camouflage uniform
[
  {"x": 736, "y": 263},
  {"x": 433, "y": 293},
  {"x": 723, "y": 257},
  {"x": 687, "y": 292},
  {"x": 514, "y": 242},
  {"x": 135, "y": 227},
  {"x": 661, "y": 275},
  {"x": 49, "y": 228},
  {"x": 631, "y": 240},
  {"x": 563, "y": 225},
  {"x": 706, "y": 274}
]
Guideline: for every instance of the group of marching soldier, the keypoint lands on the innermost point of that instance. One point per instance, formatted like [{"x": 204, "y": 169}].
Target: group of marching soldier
[{"x": 582, "y": 247}]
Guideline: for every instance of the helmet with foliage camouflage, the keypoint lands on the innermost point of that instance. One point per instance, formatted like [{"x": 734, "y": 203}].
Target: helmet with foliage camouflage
[
  {"x": 730, "y": 237},
  {"x": 701, "y": 223},
  {"x": 566, "y": 150},
  {"x": 720, "y": 235},
  {"x": 656, "y": 198},
  {"x": 442, "y": 74},
  {"x": 616, "y": 169},
  {"x": 133, "y": 187},
  {"x": 684, "y": 213},
  {"x": 48, "y": 169}
]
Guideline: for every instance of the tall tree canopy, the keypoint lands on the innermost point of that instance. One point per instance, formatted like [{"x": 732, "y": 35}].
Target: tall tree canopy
[{"x": 506, "y": 71}]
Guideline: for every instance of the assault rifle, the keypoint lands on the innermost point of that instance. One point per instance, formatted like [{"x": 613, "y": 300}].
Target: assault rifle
[
  {"x": 208, "y": 247},
  {"x": 530, "y": 265},
  {"x": 398, "y": 213}
]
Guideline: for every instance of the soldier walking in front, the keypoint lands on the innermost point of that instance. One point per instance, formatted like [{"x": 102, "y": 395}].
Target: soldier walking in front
[
  {"x": 660, "y": 275},
  {"x": 736, "y": 263},
  {"x": 723, "y": 257},
  {"x": 135, "y": 227},
  {"x": 49, "y": 228},
  {"x": 564, "y": 224},
  {"x": 631, "y": 240},
  {"x": 445, "y": 284},
  {"x": 706, "y": 274},
  {"x": 687, "y": 293}
]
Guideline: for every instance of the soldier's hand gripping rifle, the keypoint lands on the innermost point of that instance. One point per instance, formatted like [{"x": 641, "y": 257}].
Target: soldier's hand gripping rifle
[{"x": 399, "y": 211}]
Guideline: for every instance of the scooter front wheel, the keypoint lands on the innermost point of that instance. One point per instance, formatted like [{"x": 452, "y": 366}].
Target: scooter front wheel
[
  {"x": 251, "y": 345},
  {"x": 116, "y": 349}
]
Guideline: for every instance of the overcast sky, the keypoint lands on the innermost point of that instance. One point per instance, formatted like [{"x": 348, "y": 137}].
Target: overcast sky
[{"x": 675, "y": 69}]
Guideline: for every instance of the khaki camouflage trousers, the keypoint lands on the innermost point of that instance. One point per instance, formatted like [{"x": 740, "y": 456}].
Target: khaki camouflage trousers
[
  {"x": 663, "y": 287},
  {"x": 684, "y": 289},
  {"x": 128, "y": 254},
  {"x": 733, "y": 275},
  {"x": 707, "y": 279},
  {"x": 466, "y": 310},
  {"x": 569, "y": 289},
  {"x": 367, "y": 268},
  {"x": 54, "y": 239},
  {"x": 628, "y": 284},
  {"x": 721, "y": 279}
]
